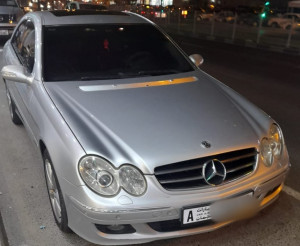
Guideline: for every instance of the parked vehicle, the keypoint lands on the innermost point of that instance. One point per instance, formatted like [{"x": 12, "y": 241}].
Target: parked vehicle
[
  {"x": 203, "y": 15},
  {"x": 284, "y": 21},
  {"x": 288, "y": 25},
  {"x": 225, "y": 16},
  {"x": 10, "y": 13},
  {"x": 138, "y": 144},
  {"x": 84, "y": 6},
  {"x": 249, "y": 19}
]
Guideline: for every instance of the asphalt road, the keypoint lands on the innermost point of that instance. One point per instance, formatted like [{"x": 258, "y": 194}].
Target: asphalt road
[{"x": 270, "y": 80}]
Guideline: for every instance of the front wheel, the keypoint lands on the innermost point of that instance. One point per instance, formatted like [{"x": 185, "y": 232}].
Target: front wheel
[
  {"x": 55, "y": 195},
  {"x": 288, "y": 27}
]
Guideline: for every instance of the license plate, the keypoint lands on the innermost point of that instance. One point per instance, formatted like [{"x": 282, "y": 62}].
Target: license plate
[
  {"x": 219, "y": 209},
  {"x": 3, "y": 32},
  {"x": 194, "y": 215}
]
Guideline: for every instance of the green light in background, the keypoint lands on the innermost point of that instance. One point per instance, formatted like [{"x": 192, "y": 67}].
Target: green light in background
[
  {"x": 263, "y": 15},
  {"x": 267, "y": 3}
]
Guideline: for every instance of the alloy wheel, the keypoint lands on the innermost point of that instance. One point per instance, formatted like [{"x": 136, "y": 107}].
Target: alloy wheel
[{"x": 53, "y": 190}]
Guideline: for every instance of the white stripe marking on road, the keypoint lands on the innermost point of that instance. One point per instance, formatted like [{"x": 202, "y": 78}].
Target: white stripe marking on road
[
  {"x": 292, "y": 192},
  {"x": 1, "y": 50}
]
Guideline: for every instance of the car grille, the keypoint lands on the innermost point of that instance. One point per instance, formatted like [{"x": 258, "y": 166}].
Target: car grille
[
  {"x": 188, "y": 174},
  {"x": 6, "y": 18}
]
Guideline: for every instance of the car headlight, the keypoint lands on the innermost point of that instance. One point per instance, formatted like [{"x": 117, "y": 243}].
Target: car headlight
[
  {"x": 271, "y": 146},
  {"x": 276, "y": 138},
  {"x": 103, "y": 178},
  {"x": 132, "y": 180}
]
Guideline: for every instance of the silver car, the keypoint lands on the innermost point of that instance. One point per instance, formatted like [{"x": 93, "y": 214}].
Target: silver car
[{"x": 138, "y": 143}]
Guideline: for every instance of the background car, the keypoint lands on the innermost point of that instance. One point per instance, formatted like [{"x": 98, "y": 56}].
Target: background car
[
  {"x": 250, "y": 19},
  {"x": 225, "y": 16},
  {"x": 10, "y": 13},
  {"x": 84, "y": 6},
  {"x": 284, "y": 21},
  {"x": 203, "y": 15}
]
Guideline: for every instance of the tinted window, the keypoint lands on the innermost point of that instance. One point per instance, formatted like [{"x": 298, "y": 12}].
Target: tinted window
[
  {"x": 23, "y": 43},
  {"x": 91, "y": 6},
  {"x": 73, "y": 6},
  {"x": 108, "y": 52}
]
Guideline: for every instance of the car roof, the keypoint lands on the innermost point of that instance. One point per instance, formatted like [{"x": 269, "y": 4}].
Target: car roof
[{"x": 68, "y": 17}]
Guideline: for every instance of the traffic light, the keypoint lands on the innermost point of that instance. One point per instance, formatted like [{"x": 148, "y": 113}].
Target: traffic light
[{"x": 265, "y": 10}]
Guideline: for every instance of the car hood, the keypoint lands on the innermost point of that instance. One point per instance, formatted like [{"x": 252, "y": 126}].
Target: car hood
[{"x": 126, "y": 121}]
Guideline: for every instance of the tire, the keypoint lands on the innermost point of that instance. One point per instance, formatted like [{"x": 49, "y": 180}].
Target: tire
[
  {"x": 12, "y": 109},
  {"x": 55, "y": 195},
  {"x": 288, "y": 27},
  {"x": 274, "y": 24}
]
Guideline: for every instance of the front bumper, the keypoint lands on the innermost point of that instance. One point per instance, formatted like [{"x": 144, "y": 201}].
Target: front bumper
[{"x": 163, "y": 222}]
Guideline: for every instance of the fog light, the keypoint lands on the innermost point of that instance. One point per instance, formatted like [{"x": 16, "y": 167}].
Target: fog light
[{"x": 116, "y": 229}]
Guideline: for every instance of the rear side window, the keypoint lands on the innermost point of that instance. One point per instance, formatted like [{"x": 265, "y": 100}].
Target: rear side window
[{"x": 23, "y": 43}]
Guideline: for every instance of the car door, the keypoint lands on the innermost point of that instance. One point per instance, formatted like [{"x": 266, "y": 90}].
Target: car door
[{"x": 23, "y": 44}]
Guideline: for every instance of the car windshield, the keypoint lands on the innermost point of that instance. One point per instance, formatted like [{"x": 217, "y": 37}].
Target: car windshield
[
  {"x": 8, "y": 3},
  {"x": 98, "y": 52}
]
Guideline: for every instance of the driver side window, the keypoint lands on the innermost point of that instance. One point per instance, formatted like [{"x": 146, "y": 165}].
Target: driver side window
[{"x": 23, "y": 43}]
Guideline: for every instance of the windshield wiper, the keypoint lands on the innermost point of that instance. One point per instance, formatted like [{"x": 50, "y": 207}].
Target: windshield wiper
[
  {"x": 158, "y": 72},
  {"x": 100, "y": 77},
  {"x": 145, "y": 73},
  {"x": 122, "y": 75},
  {"x": 114, "y": 76}
]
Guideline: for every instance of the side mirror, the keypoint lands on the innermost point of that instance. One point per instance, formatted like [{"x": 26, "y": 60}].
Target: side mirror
[
  {"x": 197, "y": 59},
  {"x": 16, "y": 73}
]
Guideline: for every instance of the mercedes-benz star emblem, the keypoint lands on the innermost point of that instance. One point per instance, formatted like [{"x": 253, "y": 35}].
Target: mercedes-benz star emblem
[{"x": 214, "y": 172}]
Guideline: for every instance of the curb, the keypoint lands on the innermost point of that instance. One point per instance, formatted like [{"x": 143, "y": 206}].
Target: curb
[{"x": 3, "y": 236}]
